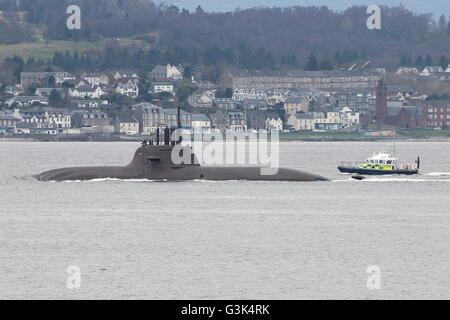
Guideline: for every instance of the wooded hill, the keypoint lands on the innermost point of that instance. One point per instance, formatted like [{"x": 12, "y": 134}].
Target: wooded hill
[{"x": 254, "y": 38}]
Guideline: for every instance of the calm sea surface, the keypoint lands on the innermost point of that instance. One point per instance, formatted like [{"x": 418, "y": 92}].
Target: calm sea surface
[{"x": 224, "y": 240}]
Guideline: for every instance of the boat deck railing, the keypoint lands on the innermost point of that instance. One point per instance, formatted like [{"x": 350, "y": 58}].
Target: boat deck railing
[{"x": 351, "y": 164}]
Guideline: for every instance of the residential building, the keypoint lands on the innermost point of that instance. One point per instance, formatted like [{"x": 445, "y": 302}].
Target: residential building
[
  {"x": 171, "y": 118},
  {"x": 90, "y": 119},
  {"x": 46, "y": 92},
  {"x": 241, "y": 94},
  {"x": 8, "y": 122},
  {"x": 86, "y": 92},
  {"x": 274, "y": 124},
  {"x": 294, "y": 105},
  {"x": 202, "y": 99},
  {"x": 125, "y": 74},
  {"x": 58, "y": 119},
  {"x": 14, "y": 90},
  {"x": 255, "y": 104},
  {"x": 328, "y": 120},
  {"x": 262, "y": 79},
  {"x": 349, "y": 118},
  {"x": 127, "y": 125},
  {"x": 443, "y": 76},
  {"x": 236, "y": 122},
  {"x": 150, "y": 117},
  {"x": 225, "y": 103},
  {"x": 301, "y": 122},
  {"x": 407, "y": 70},
  {"x": 401, "y": 91},
  {"x": 381, "y": 104},
  {"x": 166, "y": 73},
  {"x": 430, "y": 70},
  {"x": 158, "y": 87},
  {"x": 36, "y": 117},
  {"x": 437, "y": 113},
  {"x": 28, "y": 79},
  {"x": 355, "y": 99},
  {"x": 86, "y": 104},
  {"x": 201, "y": 123},
  {"x": 26, "y": 101},
  {"x": 127, "y": 86},
  {"x": 61, "y": 77},
  {"x": 96, "y": 78}
]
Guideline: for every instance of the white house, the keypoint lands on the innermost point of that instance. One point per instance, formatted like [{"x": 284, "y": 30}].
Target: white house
[
  {"x": 127, "y": 87},
  {"x": 59, "y": 119},
  {"x": 158, "y": 87},
  {"x": 201, "y": 123},
  {"x": 272, "y": 124},
  {"x": 241, "y": 94},
  {"x": 349, "y": 117},
  {"x": 14, "y": 90},
  {"x": 46, "y": 92},
  {"x": 86, "y": 92},
  {"x": 26, "y": 101},
  {"x": 125, "y": 74},
  {"x": 96, "y": 78},
  {"x": 61, "y": 77},
  {"x": 407, "y": 70},
  {"x": 202, "y": 99},
  {"x": 429, "y": 70}
]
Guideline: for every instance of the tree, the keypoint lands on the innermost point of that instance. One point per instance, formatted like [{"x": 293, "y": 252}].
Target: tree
[
  {"x": 443, "y": 62},
  {"x": 55, "y": 99},
  {"x": 428, "y": 60},
  {"x": 199, "y": 10},
  {"x": 312, "y": 64},
  {"x": 325, "y": 65},
  {"x": 442, "y": 24},
  {"x": 187, "y": 73},
  {"x": 403, "y": 61},
  {"x": 419, "y": 62}
]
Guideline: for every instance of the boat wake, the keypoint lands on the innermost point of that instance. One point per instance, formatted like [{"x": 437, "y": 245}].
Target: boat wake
[
  {"x": 392, "y": 179},
  {"x": 437, "y": 174}
]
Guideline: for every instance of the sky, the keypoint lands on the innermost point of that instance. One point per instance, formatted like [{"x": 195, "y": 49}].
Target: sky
[{"x": 437, "y": 7}]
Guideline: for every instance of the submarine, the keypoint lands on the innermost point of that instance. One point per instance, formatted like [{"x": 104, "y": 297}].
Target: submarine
[{"x": 153, "y": 161}]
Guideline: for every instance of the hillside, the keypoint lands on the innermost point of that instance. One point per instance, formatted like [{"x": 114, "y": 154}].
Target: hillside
[{"x": 253, "y": 38}]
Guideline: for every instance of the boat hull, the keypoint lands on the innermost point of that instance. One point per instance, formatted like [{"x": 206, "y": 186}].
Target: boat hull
[{"x": 376, "y": 172}]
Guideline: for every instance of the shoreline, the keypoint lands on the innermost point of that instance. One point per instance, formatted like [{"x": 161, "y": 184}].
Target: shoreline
[{"x": 282, "y": 139}]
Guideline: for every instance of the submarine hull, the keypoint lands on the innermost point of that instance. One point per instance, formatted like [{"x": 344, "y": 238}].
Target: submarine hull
[
  {"x": 176, "y": 174},
  {"x": 155, "y": 163}
]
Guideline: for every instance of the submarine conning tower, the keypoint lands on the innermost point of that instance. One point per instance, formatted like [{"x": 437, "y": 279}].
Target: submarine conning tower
[{"x": 158, "y": 152}]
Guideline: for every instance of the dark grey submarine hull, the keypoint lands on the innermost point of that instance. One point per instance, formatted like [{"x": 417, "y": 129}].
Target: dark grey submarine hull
[{"x": 154, "y": 163}]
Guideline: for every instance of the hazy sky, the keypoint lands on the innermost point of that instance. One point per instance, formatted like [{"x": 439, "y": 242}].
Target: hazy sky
[{"x": 436, "y": 7}]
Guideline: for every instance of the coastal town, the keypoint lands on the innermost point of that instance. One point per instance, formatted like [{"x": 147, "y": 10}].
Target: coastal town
[{"x": 131, "y": 103}]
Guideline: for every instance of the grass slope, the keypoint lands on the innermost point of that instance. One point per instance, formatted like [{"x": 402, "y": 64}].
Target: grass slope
[{"x": 44, "y": 50}]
